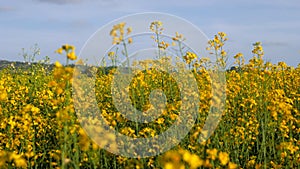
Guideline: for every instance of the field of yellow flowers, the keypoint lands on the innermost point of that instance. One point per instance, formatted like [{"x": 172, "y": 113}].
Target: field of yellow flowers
[{"x": 259, "y": 128}]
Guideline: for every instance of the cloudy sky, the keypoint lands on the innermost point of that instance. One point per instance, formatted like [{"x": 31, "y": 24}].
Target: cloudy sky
[{"x": 50, "y": 23}]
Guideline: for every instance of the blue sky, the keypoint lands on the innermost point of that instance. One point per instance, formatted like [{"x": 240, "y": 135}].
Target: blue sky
[{"x": 51, "y": 23}]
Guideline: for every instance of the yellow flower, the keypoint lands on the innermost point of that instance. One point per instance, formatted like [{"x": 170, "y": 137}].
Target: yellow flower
[
  {"x": 70, "y": 51},
  {"x": 239, "y": 55},
  {"x": 111, "y": 54},
  {"x": 189, "y": 56},
  {"x": 129, "y": 40},
  {"x": 57, "y": 64},
  {"x": 283, "y": 154},
  {"x": 117, "y": 33},
  {"x": 156, "y": 26},
  {"x": 186, "y": 156},
  {"x": 59, "y": 51},
  {"x": 20, "y": 162},
  {"x": 129, "y": 30},
  {"x": 223, "y": 53},
  {"x": 3, "y": 95},
  {"x": 175, "y": 39},
  {"x": 113, "y": 33},
  {"x": 169, "y": 166},
  {"x": 195, "y": 161},
  {"x": 224, "y": 158},
  {"x": 72, "y": 55},
  {"x": 212, "y": 154},
  {"x": 232, "y": 165},
  {"x": 35, "y": 109},
  {"x": 222, "y": 34},
  {"x": 84, "y": 142},
  {"x": 207, "y": 164},
  {"x": 160, "y": 120}
]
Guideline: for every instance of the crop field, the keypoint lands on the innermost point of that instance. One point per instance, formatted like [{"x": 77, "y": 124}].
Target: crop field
[{"x": 259, "y": 125}]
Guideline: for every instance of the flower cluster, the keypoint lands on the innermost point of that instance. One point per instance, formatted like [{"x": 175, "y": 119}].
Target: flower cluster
[
  {"x": 69, "y": 50},
  {"x": 156, "y": 27},
  {"x": 216, "y": 47},
  {"x": 260, "y": 125},
  {"x": 183, "y": 158},
  {"x": 118, "y": 33},
  {"x": 189, "y": 57}
]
